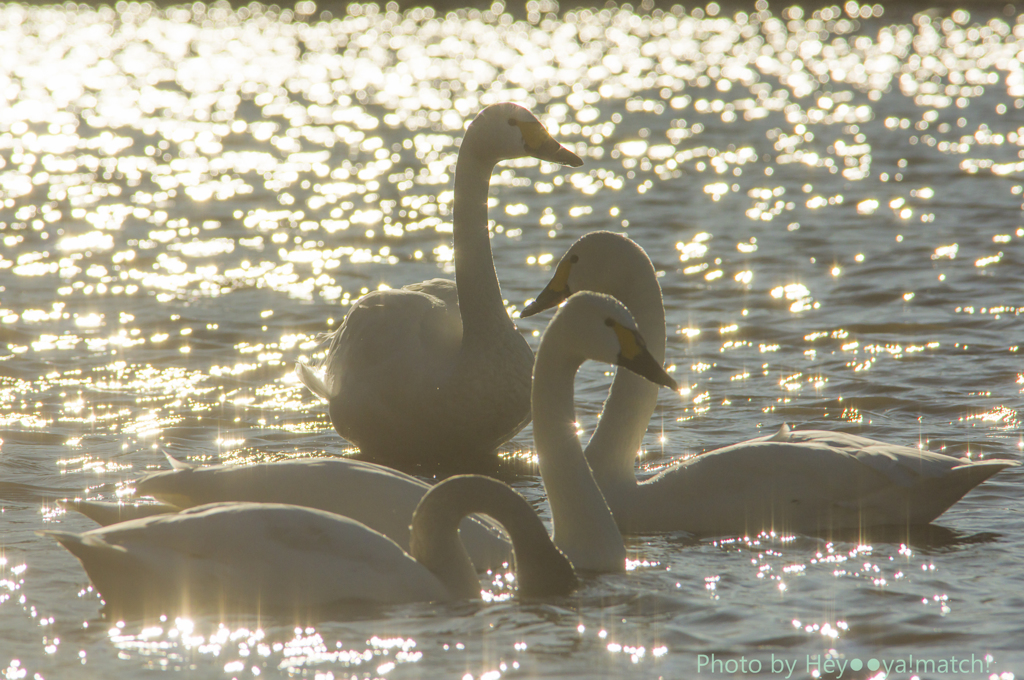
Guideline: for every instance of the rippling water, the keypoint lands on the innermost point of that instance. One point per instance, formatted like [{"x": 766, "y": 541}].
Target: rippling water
[{"x": 190, "y": 195}]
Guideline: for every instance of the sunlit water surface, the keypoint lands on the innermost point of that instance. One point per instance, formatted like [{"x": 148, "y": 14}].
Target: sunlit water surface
[{"x": 189, "y": 196}]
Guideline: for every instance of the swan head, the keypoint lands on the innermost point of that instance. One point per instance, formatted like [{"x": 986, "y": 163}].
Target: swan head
[
  {"x": 602, "y": 329},
  {"x": 511, "y": 131},
  {"x": 603, "y": 262}
]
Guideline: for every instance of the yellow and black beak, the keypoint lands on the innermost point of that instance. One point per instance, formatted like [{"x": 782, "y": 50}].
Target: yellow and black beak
[
  {"x": 539, "y": 144},
  {"x": 548, "y": 298},
  {"x": 634, "y": 355},
  {"x": 556, "y": 292}
]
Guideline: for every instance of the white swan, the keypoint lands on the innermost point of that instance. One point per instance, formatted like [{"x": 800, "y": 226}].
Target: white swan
[
  {"x": 809, "y": 481},
  {"x": 589, "y": 326},
  {"x": 435, "y": 374},
  {"x": 284, "y": 559},
  {"x": 379, "y": 497}
]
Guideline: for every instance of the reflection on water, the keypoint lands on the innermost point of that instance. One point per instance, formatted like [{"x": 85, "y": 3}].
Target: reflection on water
[{"x": 190, "y": 196}]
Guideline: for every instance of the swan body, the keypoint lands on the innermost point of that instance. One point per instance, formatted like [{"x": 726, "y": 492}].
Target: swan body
[
  {"x": 284, "y": 559},
  {"x": 435, "y": 375},
  {"x": 379, "y": 497},
  {"x": 807, "y": 481}
]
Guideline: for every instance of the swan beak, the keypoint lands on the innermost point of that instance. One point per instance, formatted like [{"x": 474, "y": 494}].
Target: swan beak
[
  {"x": 543, "y": 146},
  {"x": 556, "y": 292},
  {"x": 646, "y": 366},
  {"x": 553, "y": 152},
  {"x": 563, "y": 156},
  {"x": 548, "y": 298},
  {"x": 634, "y": 355}
]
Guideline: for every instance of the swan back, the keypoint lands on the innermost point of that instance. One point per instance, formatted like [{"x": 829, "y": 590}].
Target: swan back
[
  {"x": 105, "y": 513},
  {"x": 345, "y": 487},
  {"x": 806, "y": 481},
  {"x": 243, "y": 556},
  {"x": 597, "y": 327}
]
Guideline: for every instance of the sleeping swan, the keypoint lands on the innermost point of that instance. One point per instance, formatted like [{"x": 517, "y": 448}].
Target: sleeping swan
[
  {"x": 272, "y": 558},
  {"x": 435, "y": 375},
  {"x": 808, "y": 481}
]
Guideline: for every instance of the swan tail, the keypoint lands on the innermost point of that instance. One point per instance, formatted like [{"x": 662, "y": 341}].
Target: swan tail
[
  {"x": 974, "y": 472},
  {"x": 81, "y": 546},
  {"x": 962, "y": 478},
  {"x": 179, "y": 464},
  {"x": 105, "y": 514},
  {"x": 72, "y": 542},
  {"x": 312, "y": 379},
  {"x": 942, "y": 492},
  {"x": 992, "y": 465},
  {"x": 123, "y": 580},
  {"x": 781, "y": 436}
]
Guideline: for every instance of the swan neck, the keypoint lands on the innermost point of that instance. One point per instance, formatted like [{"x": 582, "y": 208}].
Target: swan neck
[
  {"x": 554, "y": 411},
  {"x": 480, "y": 300},
  {"x": 631, "y": 402},
  {"x": 541, "y": 570},
  {"x": 583, "y": 525}
]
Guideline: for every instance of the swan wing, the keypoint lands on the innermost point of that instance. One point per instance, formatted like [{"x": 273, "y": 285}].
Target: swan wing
[
  {"x": 395, "y": 348},
  {"x": 395, "y": 335},
  {"x": 442, "y": 289},
  {"x": 245, "y": 556},
  {"x": 313, "y": 379},
  {"x": 404, "y": 389},
  {"x": 385, "y": 334}
]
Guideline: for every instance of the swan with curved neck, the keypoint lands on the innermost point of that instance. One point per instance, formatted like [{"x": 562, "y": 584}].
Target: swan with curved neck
[
  {"x": 435, "y": 375},
  {"x": 808, "y": 481},
  {"x": 597, "y": 327},
  {"x": 285, "y": 559},
  {"x": 273, "y": 557}
]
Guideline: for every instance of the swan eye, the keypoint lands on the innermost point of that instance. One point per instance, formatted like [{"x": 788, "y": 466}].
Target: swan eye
[
  {"x": 574, "y": 259},
  {"x": 512, "y": 122},
  {"x": 609, "y": 322}
]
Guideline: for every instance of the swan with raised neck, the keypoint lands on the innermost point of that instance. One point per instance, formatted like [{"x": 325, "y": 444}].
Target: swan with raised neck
[
  {"x": 434, "y": 376},
  {"x": 595, "y": 327}
]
